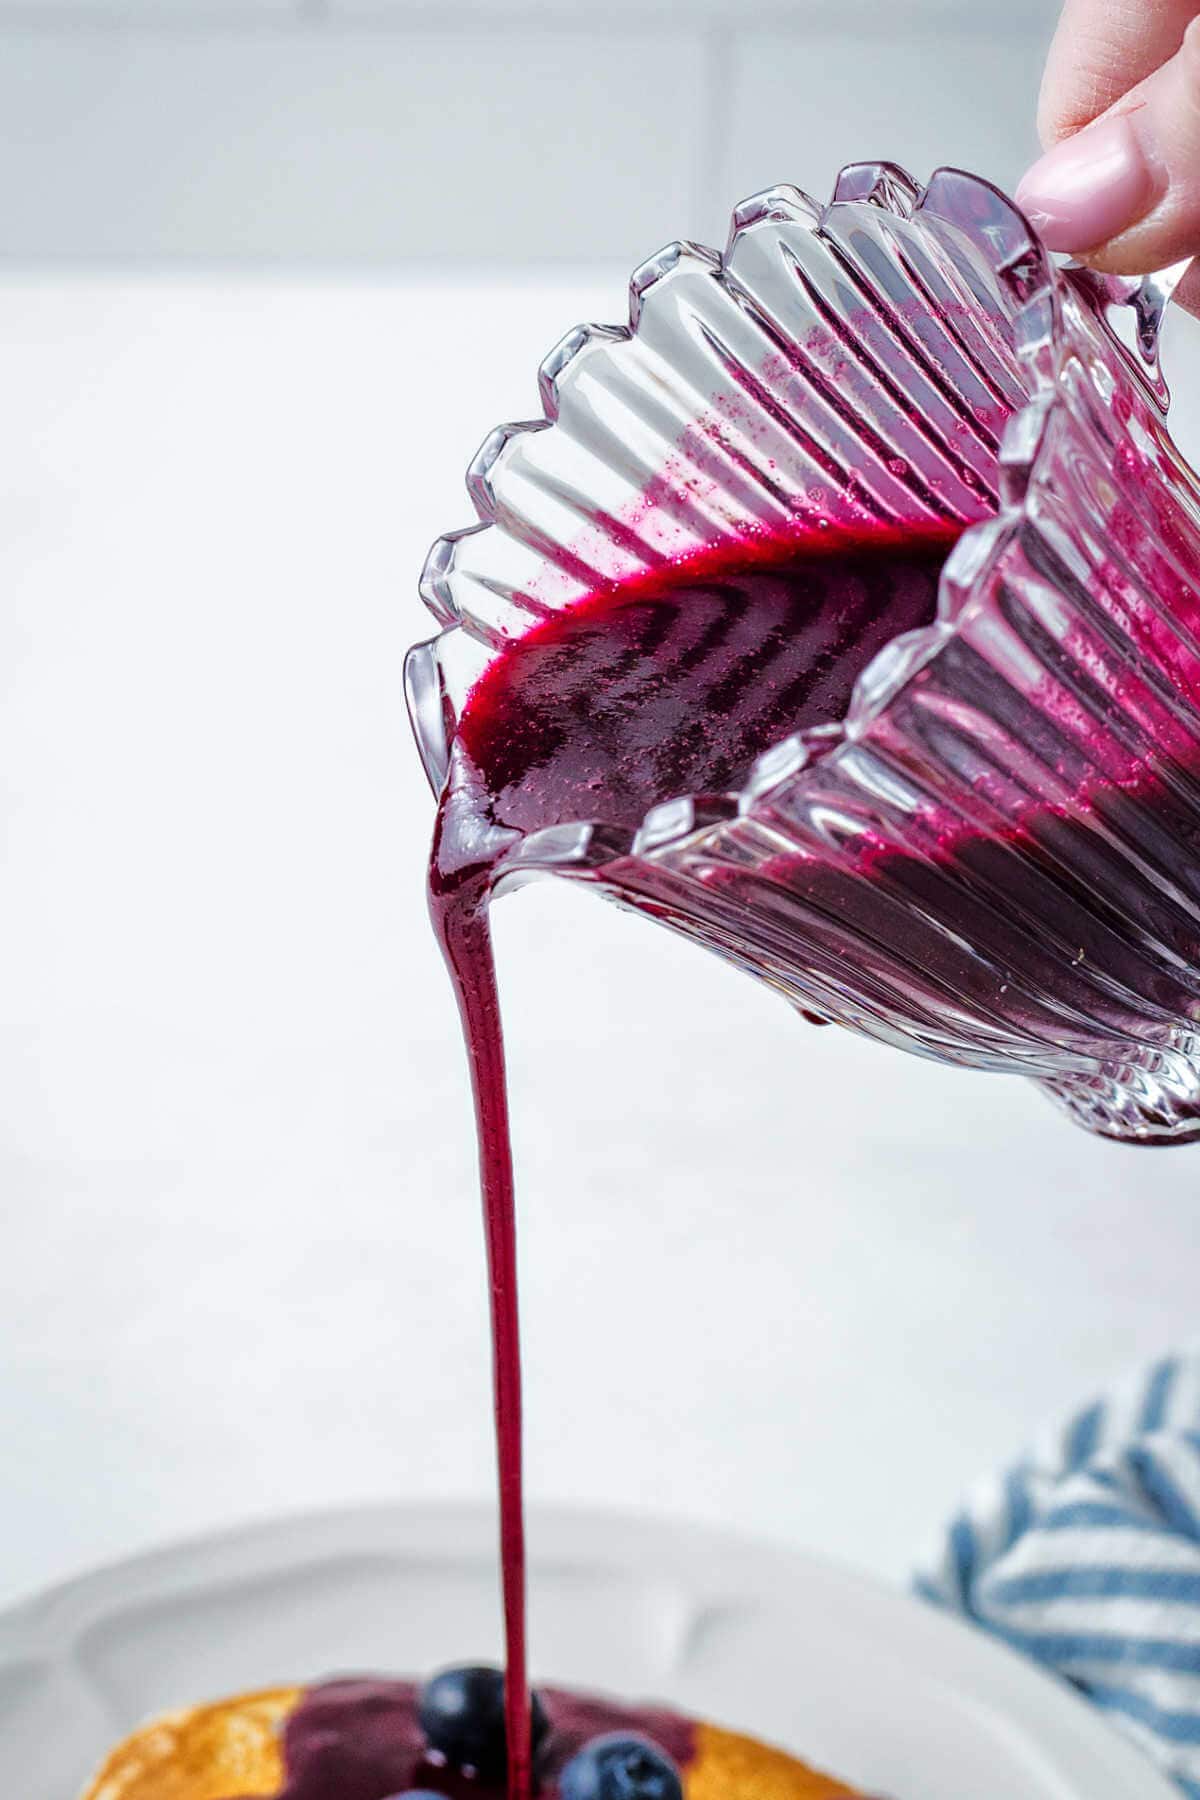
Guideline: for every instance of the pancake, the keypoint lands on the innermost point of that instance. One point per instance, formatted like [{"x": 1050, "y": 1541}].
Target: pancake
[{"x": 359, "y": 1739}]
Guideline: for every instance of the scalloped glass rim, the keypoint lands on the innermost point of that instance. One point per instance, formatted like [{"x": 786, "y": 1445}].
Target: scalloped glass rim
[{"x": 440, "y": 671}]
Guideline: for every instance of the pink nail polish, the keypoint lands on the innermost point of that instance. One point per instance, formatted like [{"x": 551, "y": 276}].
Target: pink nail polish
[{"x": 1088, "y": 188}]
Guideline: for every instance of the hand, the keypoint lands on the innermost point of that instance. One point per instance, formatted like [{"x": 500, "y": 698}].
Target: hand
[{"x": 1120, "y": 109}]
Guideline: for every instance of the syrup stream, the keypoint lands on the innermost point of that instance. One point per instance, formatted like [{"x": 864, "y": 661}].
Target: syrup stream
[
  {"x": 667, "y": 685},
  {"x": 461, "y": 921}
]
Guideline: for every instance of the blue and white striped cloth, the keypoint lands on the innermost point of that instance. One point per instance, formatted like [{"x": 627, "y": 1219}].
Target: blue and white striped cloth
[{"x": 1087, "y": 1557}]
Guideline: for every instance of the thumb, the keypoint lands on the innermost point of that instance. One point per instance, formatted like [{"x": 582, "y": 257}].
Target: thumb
[{"x": 1125, "y": 191}]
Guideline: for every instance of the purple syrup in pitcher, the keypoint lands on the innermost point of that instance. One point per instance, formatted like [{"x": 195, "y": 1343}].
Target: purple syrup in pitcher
[
  {"x": 665, "y": 685},
  {"x": 674, "y": 683}
]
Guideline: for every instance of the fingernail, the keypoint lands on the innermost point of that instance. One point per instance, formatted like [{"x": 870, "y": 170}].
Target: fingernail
[{"x": 1089, "y": 188}]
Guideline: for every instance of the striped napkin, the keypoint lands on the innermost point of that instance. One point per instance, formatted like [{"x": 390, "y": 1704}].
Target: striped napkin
[{"x": 1087, "y": 1557}]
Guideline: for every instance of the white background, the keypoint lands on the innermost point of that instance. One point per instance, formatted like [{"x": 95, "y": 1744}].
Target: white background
[{"x": 775, "y": 1277}]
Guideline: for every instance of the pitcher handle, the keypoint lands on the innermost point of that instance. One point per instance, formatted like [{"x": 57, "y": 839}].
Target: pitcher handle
[{"x": 1133, "y": 307}]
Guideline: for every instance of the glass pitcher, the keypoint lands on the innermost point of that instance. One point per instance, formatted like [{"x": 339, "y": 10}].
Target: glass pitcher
[{"x": 993, "y": 859}]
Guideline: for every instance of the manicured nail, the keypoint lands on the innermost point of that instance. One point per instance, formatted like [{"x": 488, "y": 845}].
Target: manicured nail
[{"x": 1089, "y": 188}]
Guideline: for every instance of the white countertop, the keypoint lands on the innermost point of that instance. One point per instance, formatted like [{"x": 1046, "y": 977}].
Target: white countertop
[{"x": 774, "y": 1277}]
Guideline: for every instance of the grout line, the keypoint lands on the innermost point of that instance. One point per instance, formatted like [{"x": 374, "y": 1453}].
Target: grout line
[
  {"x": 427, "y": 264},
  {"x": 892, "y": 19},
  {"x": 900, "y": 21},
  {"x": 65, "y": 25}
]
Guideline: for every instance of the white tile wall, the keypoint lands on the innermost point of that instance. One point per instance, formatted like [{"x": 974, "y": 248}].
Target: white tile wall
[
  {"x": 805, "y": 103},
  {"x": 379, "y": 132},
  {"x": 303, "y": 148}
]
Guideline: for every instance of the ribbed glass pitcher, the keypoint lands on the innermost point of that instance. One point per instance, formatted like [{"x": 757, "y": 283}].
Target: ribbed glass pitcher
[{"x": 994, "y": 858}]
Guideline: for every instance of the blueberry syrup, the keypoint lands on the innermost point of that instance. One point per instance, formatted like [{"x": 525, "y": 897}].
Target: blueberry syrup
[
  {"x": 361, "y": 1739},
  {"x": 666, "y": 685}
]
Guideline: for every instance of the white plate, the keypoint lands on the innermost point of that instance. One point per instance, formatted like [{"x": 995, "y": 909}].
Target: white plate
[{"x": 861, "y": 1679}]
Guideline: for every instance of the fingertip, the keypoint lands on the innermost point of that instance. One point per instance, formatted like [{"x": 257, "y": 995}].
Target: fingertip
[{"x": 1089, "y": 188}]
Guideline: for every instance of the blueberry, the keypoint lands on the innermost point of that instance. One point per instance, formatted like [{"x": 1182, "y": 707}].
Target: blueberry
[
  {"x": 619, "y": 1767},
  {"x": 461, "y": 1712}
]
